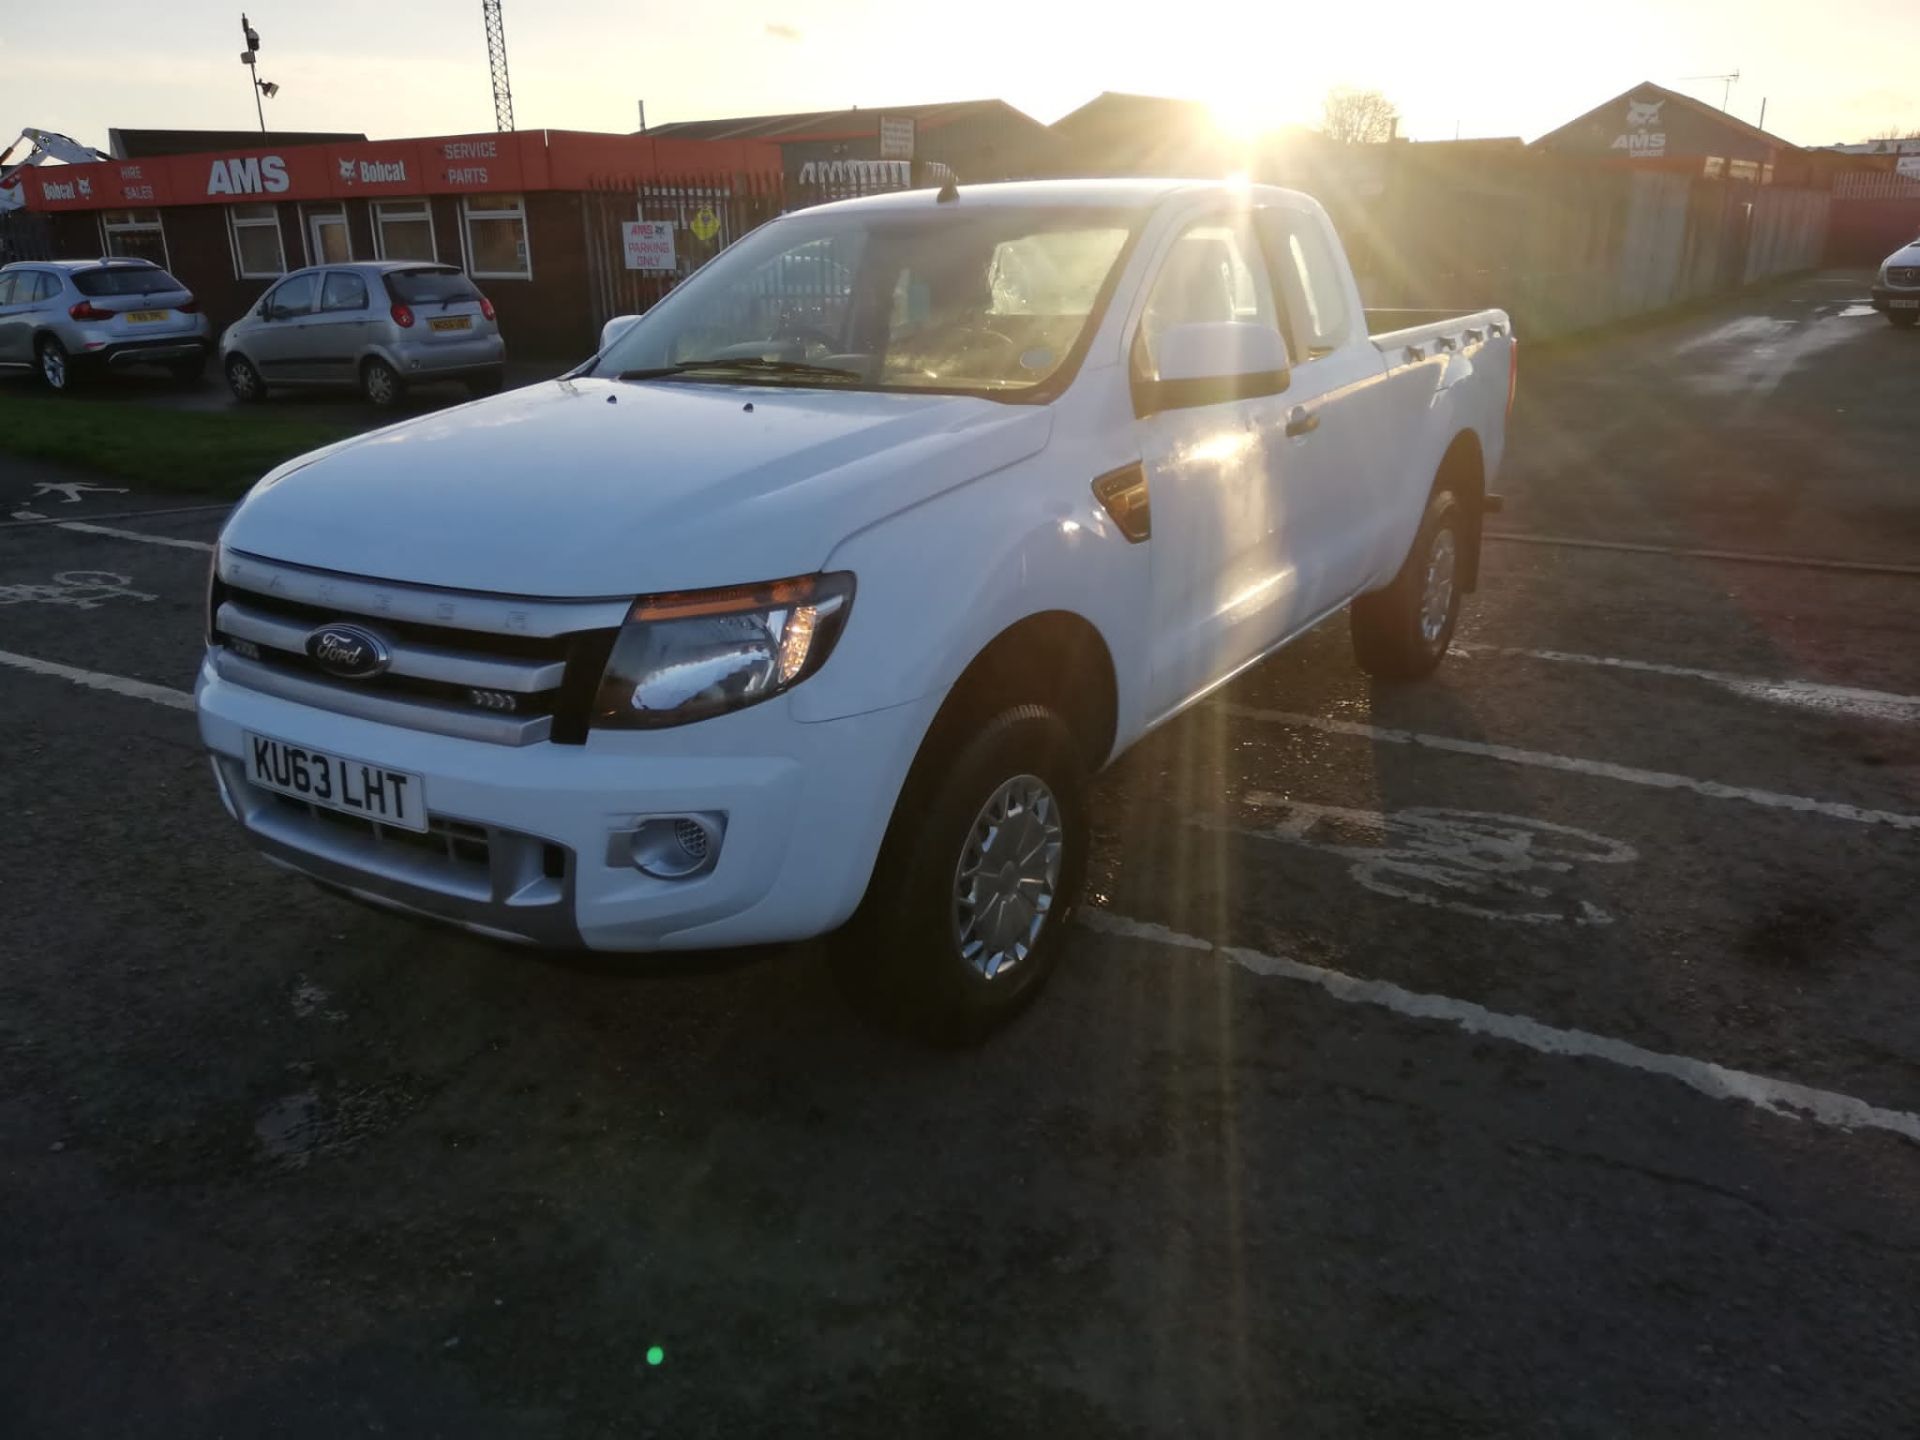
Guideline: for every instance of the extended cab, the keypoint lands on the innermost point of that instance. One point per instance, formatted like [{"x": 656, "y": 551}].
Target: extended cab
[{"x": 816, "y": 597}]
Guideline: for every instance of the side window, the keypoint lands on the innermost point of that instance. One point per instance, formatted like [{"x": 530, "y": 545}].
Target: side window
[
  {"x": 47, "y": 287},
  {"x": 1213, "y": 273},
  {"x": 1310, "y": 276},
  {"x": 343, "y": 290},
  {"x": 295, "y": 297},
  {"x": 7, "y": 281}
]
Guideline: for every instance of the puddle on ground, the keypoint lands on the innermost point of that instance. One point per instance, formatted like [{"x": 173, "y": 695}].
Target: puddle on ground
[{"x": 1854, "y": 312}]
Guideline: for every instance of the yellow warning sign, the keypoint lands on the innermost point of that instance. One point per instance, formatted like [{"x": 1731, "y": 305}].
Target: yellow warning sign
[{"x": 706, "y": 224}]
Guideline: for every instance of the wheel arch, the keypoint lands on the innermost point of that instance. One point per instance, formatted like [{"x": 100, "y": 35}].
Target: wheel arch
[
  {"x": 1054, "y": 658},
  {"x": 1463, "y": 470}
]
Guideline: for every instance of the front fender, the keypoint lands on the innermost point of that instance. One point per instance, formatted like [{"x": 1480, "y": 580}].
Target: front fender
[{"x": 937, "y": 582}]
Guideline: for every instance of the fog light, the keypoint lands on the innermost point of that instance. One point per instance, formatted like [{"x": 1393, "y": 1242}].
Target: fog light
[
  {"x": 674, "y": 847},
  {"x": 494, "y": 699}
]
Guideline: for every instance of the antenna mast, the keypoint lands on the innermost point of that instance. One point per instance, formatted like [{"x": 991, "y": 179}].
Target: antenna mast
[
  {"x": 1726, "y": 83},
  {"x": 497, "y": 63}
]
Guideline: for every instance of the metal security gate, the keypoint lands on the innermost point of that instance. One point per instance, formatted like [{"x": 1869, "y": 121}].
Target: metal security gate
[
  {"x": 706, "y": 214},
  {"x": 24, "y": 235}
]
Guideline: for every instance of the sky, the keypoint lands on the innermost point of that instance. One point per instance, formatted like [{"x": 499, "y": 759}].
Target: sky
[{"x": 1828, "y": 72}]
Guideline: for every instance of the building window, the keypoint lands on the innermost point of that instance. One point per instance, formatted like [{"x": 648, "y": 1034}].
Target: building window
[
  {"x": 257, "y": 251},
  {"x": 325, "y": 234},
  {"x": 1743, "y": 169},
  {"x": 497, "y": 237},
  {"x": 134, "y": 235},
  {"x": 403, "y": 230},
  {"x": 1766, "y": 174},
  {"x": 1716, "y": 166}
]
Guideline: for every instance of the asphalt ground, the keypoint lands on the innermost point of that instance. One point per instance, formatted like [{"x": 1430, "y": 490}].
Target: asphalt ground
[{"x": 1534, "y": 1051}]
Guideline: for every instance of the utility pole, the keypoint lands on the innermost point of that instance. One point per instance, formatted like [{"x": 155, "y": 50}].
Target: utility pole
[{"x": 261, "y": 87}]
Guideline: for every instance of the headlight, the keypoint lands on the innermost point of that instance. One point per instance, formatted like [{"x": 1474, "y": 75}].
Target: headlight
[{"x": 684, "y": 657}]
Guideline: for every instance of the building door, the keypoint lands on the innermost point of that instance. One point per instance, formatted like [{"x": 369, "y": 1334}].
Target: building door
[{"x": 327, "y": 238}]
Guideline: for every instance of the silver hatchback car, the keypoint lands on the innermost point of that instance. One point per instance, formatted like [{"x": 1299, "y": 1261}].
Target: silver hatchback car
[
  {"x": 69, "y": 319},
  {"x": 379, "y": 326}
]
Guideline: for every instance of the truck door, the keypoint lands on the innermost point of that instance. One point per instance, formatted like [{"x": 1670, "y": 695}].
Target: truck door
[
  {"x": 1223, "y": 591},
  {"x": 1343, "y": 442}
]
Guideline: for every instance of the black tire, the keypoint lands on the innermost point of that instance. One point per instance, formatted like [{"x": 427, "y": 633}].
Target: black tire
[
  {"x": 188, "y": 372},
  {"x": 491, "y": 383},
  {"x": 1393, "y": 633},
  {"x": 58, "y": 370},
  {"x": 245, "y": 382},
  {"x": 1904, "y": 319},
  {"x": 901, "y": 962},
  {"x": 381, "y": 383}
]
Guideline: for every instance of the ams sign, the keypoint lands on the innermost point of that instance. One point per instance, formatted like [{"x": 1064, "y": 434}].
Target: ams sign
[{"x": 254, "y": 175}]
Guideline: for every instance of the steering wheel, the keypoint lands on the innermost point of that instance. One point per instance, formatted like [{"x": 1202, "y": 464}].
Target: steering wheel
[{"x": 806, "y": 336}]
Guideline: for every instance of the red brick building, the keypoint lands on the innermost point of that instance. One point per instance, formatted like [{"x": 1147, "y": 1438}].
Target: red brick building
[{"x": 519, "y": 211}]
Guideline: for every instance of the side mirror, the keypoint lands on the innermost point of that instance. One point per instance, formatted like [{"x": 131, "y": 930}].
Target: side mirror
[
  {"x": 1205, "y": 364},
  {"x": 615, "y": 328}
]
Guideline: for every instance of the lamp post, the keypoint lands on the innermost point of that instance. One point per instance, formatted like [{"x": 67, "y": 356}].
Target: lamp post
[{"x": 247, "y": 58}]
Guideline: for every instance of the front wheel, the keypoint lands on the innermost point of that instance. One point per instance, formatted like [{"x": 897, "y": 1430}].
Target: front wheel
[
  {"x": 381, "y": 383},
  {"x": 1401, "y": 632},
  {"x": 967, "y": 910}
]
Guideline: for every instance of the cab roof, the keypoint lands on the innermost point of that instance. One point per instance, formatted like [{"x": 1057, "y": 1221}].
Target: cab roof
[{"x": 1128, "y": 194}]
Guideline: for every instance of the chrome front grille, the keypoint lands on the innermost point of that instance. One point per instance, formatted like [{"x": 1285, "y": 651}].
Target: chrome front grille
[
  {"x": 499, "y": 669},
  {"x": 1903, "y": 275}
]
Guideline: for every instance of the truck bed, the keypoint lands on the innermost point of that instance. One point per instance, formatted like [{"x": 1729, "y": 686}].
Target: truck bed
[{"x": 1414, "y": 335}]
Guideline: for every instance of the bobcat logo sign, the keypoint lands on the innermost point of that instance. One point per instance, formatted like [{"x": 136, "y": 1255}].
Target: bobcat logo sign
[
  {"x": 346, "y": 171},
  {"x": 1640, "y": 140},
  {"x": 255, "y": 175}
]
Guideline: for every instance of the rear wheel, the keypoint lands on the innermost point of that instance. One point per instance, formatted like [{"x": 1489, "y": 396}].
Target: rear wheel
[
  {"x": 1401, "y": 632},
  {"x": 56, "y": 366},
  {"x": 968, "y": 906},
  {"x": 244, "y": 380},
  {"x": 381, "y": 383},
  {"x": 1904, "y": 319}
]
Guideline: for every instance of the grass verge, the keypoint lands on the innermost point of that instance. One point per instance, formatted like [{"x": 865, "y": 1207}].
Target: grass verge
[{"x": 216, "y": 454}]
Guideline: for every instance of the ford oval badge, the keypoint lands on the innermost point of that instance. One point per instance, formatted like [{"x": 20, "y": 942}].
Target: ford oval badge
[{"x": 349, "y": 652}]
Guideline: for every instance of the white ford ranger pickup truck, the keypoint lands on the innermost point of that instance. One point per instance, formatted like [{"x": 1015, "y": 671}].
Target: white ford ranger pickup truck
[{"x": 812, "y": 602}]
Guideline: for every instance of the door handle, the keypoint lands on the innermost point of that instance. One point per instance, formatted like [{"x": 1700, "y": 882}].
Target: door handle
[{"x": 1302, "y": 421}]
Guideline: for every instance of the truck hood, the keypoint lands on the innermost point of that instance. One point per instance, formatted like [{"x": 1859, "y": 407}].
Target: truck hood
[{"x": 590, "y": 488}]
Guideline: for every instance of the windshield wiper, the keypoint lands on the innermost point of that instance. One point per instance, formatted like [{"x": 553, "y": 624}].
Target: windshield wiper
[{"x": 752, "y": 364}]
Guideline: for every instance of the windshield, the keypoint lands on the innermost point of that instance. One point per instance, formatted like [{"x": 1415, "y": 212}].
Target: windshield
[
  {"x": 130, "y": 280},
  {"x": 430, "y": 287},
  {"x": 997, "y": 301}
]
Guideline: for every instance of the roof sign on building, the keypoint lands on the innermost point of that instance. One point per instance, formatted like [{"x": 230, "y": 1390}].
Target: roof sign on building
[{"x": 1641, "y": 140}]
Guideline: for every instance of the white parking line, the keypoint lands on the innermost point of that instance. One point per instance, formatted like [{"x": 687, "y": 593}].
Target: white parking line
[
  {"x": 95, "y": 680},
  {"x": 1807, "y": 694},
  {"x": 1601, "y": 769},
  {"x": 84, "y": 528},
  {"x": 1778, "y": 1097}
]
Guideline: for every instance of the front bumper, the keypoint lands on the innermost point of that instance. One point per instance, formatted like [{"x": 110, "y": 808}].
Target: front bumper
[
  {"x": 806, "y": 806},
  {"x": 1887, "y": 298}
]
